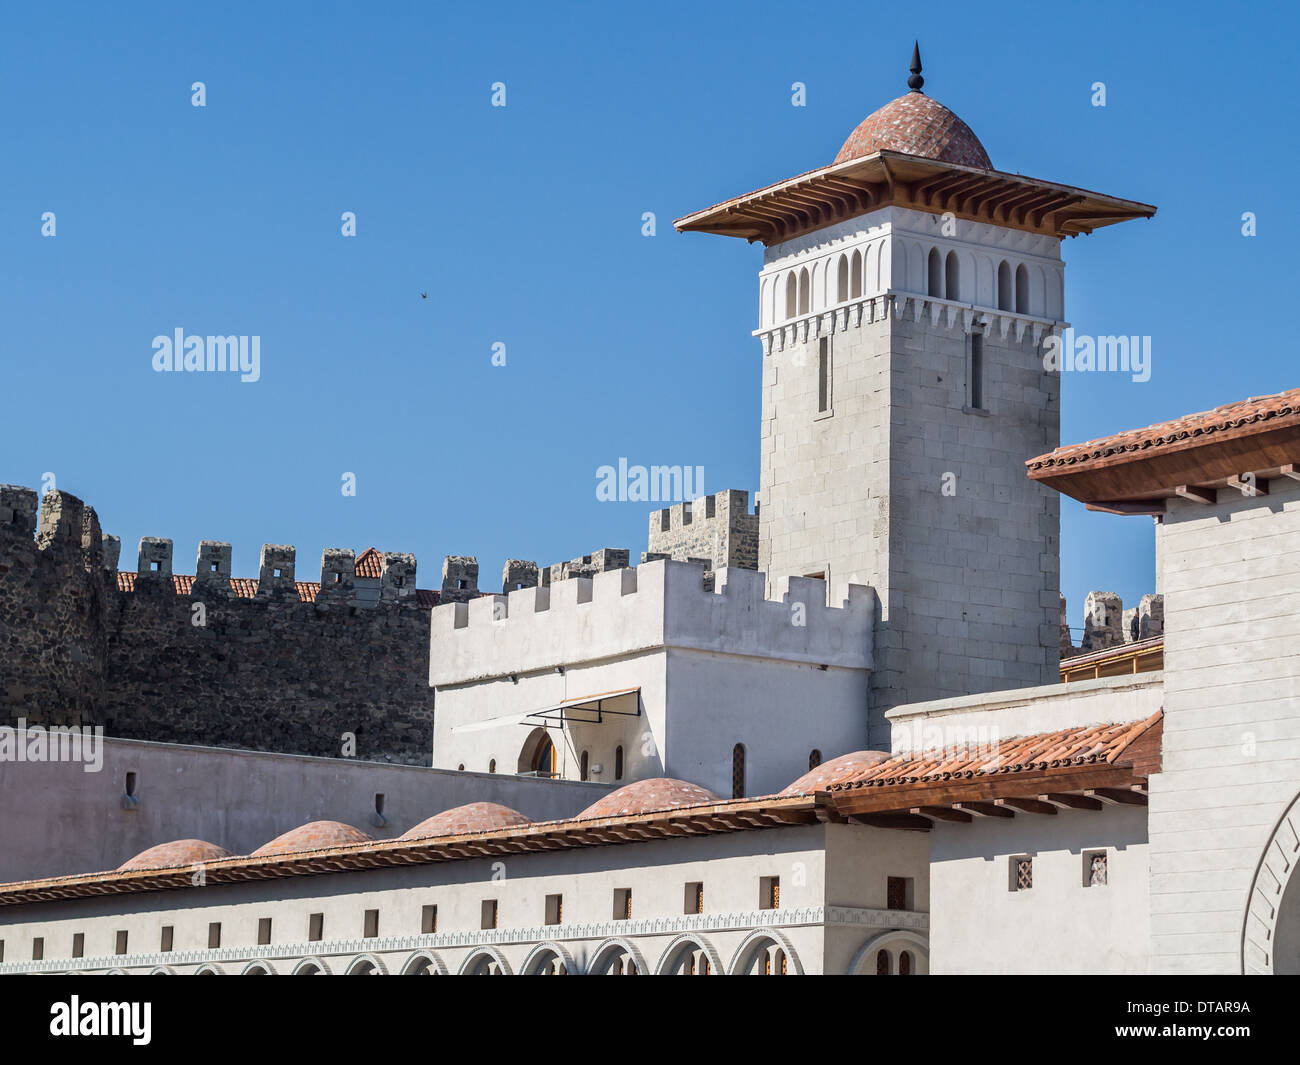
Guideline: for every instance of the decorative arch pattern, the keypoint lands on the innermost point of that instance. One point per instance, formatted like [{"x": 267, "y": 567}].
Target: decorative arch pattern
[
  {"x": 1268, "y": 891},
  {"x": 765, "y": 952},
  {"x": 549, "y": 959},
  {"x": 690, "y": 955},
  {"x": 423, "y": 963},
  {"x": 617, "y": 957},
  {"x": 366, "y": 965},
  {"x": 892, "y": 944},
  {"x": 486, "y": 961}
]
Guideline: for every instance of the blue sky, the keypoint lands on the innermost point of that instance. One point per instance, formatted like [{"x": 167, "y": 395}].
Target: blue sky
[{"x": 523, "y": 224}]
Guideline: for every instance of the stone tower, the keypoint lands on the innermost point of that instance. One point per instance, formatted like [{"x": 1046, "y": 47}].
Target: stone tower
[{"x": 906, "y": 299}]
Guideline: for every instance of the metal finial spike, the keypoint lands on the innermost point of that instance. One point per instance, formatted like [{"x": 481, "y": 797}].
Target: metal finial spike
[{"x": 916, "y": 81}]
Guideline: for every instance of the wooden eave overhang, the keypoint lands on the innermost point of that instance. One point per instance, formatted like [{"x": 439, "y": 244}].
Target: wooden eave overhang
[
  {"x": 1139, "y": 479},
  {"x": 1117, "y": 778},
  {"x": 833, "y": 193},
  {"x": 720, "y": 817}
]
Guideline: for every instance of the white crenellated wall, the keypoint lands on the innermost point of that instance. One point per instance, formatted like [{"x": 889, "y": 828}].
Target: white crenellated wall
[
  {"x": 655, "y": 605},
  {"x": 711, "y": 669}
]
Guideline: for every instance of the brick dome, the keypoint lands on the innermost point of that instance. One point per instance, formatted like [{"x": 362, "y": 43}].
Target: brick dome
[
  {"x": 658, "y": 793},
  {"x": 845, "y": 767},
  {"x": 472, "y": 817},
  {"x": 178, "y": 852},
  {"x": 313, "y": 837},
  {"x": 916, "y": 125}
]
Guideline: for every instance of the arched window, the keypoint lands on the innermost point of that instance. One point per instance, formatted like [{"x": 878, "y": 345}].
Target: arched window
[
  {"x": 805, "y": 291},
  {"x": 814, "y": 758},
  {"x": 537, "y": 756},
  {"x": 584, "y": 765},
  {"x": 738, "y": 771},
  {"x": 791, "y": 295},
  {"x": 855, "y": 282},
  {"x": 951, "y": 269},
  {"x": 492, "y": 766},
  {"x": 882, "y": 963},
  {"x": 905, "y": 964},
  {"x": 842, "y": 280},
  {"x": 618, "y": 763},
  {"x": 1022, "y": 289},
  {"x": 1005, "y": 294},
  {"x": 936, "y": 274}
]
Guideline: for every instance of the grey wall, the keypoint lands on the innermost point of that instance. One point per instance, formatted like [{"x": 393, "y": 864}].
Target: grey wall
[{"x": 59, "y": 819}]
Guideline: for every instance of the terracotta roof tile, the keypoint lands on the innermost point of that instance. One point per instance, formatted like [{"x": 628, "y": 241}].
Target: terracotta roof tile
[
  {"x": 845, "y": 767},
  {"x": 177, "y": 852},
  {"x": 369, "y": 564},
  {"x": 916, "y": 124},
  {"x": 246, "y": 588},
  {"x": 472, "y": 817},
  {"x": 1238, "y": 419},
  {"x": 314, "y": 836},
  {"x": 1087, "y": 745},
  {"x": 643, "y": 796}
]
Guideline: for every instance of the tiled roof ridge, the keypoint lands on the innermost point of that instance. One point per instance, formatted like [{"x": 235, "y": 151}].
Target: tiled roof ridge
[
  {"x": 246, "y": 587},
  {"x": 1074, "y": 746},
  {"x": 1190, "y": 427}
]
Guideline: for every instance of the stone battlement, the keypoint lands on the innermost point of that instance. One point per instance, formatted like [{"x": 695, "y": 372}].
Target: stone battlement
[
  {"x": 718, "y": 531},
  {"x": 659, "y": 604},
  {"x": 1107, "y": 624},
  {"x": 269, "y": 664}
]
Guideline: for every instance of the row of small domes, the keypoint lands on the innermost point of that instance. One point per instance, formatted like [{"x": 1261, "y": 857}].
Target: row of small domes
[{"x": 642, "y": 796}]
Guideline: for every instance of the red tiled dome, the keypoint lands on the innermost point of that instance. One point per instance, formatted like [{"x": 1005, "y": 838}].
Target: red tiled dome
[
  {"x": 472, "y": 817},
  {"x": 312, "y": 837},
  {"x": 658, "y": 793},
  {"x": 916, "y": 125},
  {"x": 176, "y": 853},
  {"x": 845, "y": 767}
]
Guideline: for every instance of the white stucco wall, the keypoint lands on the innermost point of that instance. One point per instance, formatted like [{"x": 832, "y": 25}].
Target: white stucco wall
[
  {"x": 782, "y": 676},
  {"x": 979, "y": 925},
  {"x": 990, "y": 716},
  {"x": 1231, "y": 574},
  {"x": 731, "y": 866}
]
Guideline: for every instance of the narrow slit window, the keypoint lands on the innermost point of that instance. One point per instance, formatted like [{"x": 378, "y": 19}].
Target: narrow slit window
[
  {"x": 977, "y": 370},
  {"x": 824, "y": 375}
]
